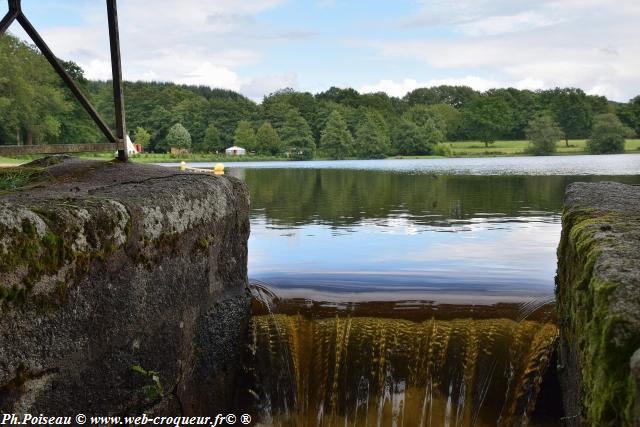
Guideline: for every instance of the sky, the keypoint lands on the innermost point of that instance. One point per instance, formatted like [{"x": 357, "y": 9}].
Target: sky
[{"x": 256, "y": 47}]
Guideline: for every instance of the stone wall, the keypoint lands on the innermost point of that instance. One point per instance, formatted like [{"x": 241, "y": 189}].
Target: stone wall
[
  {"x": 122, "y": 289},
  {"x": 598, "y": 301}
]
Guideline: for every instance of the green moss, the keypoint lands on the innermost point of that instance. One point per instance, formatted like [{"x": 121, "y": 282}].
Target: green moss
[
  {"x": 583, "y": 301},
  {"x": 47, "y": 254},
  {"x": 202, "y": 244}
]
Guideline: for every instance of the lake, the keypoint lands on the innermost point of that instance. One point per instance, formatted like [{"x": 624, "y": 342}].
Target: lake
[{"x": 408, "y": 292}]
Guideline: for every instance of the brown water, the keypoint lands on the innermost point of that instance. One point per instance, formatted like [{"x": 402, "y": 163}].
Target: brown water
[{"x": 347, "y": 370}]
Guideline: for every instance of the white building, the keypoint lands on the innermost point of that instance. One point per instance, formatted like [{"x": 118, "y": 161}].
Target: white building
[{"x": 235, "y": 151}]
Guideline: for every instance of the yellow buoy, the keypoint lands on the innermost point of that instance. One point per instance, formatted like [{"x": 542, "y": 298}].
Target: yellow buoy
[
  {"x": 218, "y": 169},
  {"x": 183, "y": 165}
]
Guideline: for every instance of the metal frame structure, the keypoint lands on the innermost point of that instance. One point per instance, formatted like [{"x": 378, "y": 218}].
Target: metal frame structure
[{"x": 117, "y": 141}]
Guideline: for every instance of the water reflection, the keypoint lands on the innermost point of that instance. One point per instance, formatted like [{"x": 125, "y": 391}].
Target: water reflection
[{"x": 337, "y": 235}]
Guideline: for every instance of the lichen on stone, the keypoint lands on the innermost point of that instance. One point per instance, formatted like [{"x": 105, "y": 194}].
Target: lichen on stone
[{"x": 185, "y": 213}]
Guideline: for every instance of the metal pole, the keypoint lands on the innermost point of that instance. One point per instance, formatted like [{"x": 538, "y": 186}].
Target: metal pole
[
  {"x": 65, "y": 76},
  {"x": 12, "y": 14},
  {"x": 7, "y": 21},
  {"x": 116, "y": 71}
]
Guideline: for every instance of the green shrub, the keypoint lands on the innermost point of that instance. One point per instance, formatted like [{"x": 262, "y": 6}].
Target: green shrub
[
  {"x": 608, "y": 135},
  {"x": 543, "y": 133},
  {"x": 443, "y": 150}
]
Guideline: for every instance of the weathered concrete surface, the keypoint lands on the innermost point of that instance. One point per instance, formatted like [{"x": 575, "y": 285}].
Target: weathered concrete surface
[
  {"x": 106, "y": 266},
  {"x": 598, "y": 300}
]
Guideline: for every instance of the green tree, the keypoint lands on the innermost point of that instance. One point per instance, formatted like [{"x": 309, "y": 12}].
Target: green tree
[
  {"x": 225, "y": 113},
  {"x": 381, "y": 123},
  {"x": 599, "y": 104},
  {"x": 159, "y": 125},
  {"x": 608, "y": 135},
  {"x": 297, "y": 137},
  {"x": 370, "y": 141},
  {"x": 447, "y": 118},
  {"x": 421, "y": 114},
  {"x": 433, "y": 133},
  {"x": 543, "y": 133},
  {"x": 629, "y": 114},
  {"x": 142, "y": 137},
  {"x": 32, "y": 102},
  {"x": 268, "y": 141},
  {"x": 409, "y": 139},
  {"x": 75, "y": 124},
  {"x": 211, "y": 141},
  {"x": 455, "y": 96},
  {"x": 192, "y": 113},
  {"x": 274, "y": 111},
  {"x": 488, "y": 118},
  {"x": 351, "y": 115},
  {"x": 336, "y": 140},
  {"x": 278, "y": 103},
  {"x": 178, "y": 137},
  {"x": 522, "y": 107},
  {"x": 348, "y": 96},
  {"x": 572, "y": 111},
  {"x": 244, "y": 136}
]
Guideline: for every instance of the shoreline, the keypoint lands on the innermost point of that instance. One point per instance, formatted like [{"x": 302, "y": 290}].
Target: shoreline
[{"x": 464, "y": 150}]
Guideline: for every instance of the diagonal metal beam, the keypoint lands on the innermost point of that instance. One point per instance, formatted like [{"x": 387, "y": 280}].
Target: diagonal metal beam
[
  {"x": 49, "y": 55},
  {"x": 116, "y": 72},
  {"x": 8, "y": 19}
]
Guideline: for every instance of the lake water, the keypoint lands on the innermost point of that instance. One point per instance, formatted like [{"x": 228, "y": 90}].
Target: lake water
[
  {"x": 445, "y": 230},
  {"x": 408, "y": 292}
]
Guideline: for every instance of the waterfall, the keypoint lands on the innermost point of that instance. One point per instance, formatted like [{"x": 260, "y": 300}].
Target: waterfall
[{"x": 383, "y": 371}]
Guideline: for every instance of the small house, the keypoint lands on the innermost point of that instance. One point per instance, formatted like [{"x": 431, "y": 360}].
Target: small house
[{"x": 235, "y": 151}]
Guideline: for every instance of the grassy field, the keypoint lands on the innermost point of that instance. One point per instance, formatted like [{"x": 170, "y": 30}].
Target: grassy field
[
  {"x": 8, "y": 161},
  {"x": 458, "y": 149},
  {"x": 511, "y": 148}
]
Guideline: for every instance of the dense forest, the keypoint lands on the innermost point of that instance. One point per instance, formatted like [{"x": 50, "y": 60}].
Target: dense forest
[{"x": 36, "y": 108}]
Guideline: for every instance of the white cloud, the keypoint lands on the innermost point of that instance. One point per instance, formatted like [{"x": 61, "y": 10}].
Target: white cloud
[
  {"x": 97, "y": 69},
  {"x": 478, "y": 16},
  {"x": 199, "y": 42},
  {"x": 400, "y": 88},
  {"x": 208, "y": 74},
  {"x": 586, "y": 44},
  {"x": 494, "y": 25},
  {"x": 257, "y": 87}
]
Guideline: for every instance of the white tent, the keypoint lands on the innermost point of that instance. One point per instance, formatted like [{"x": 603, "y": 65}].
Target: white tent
[
  {"x": 131, "y": 149},
  {"x": 235, "y": 151}
]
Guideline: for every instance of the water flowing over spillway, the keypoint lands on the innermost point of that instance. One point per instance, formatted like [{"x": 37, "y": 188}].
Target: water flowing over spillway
[{"x": 376, "y": 371}]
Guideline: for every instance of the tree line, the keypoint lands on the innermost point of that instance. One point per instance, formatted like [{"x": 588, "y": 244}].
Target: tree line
[{"x": 36, "y": 108}]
